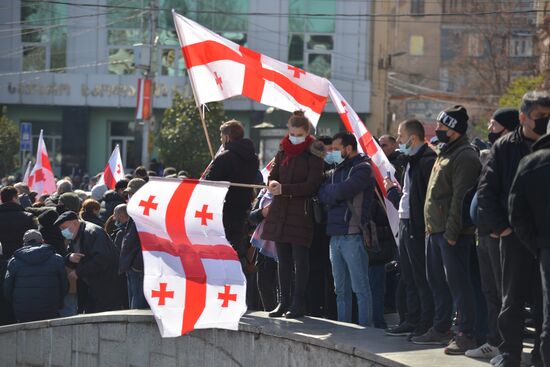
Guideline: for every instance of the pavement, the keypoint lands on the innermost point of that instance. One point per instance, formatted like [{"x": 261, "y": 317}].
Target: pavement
[{"x": 361, "y": 340}]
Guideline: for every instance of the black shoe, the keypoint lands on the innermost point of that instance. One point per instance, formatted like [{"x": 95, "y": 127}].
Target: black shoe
[
  {"x": 293, "y": 315},
  {"x": 401, "y": 330},
  {"x": 419, "y": 330},
  {"x": 279, "y": 311}
]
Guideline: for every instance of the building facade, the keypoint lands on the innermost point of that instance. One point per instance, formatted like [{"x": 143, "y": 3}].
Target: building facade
[{"x": 72, "y": 68}]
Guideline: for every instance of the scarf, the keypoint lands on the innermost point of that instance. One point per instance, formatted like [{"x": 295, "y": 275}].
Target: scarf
[{"x": 292, "y": 150}]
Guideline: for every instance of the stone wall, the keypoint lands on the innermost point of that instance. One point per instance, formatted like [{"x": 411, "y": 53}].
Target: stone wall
[{"x": 131, "y": 338}]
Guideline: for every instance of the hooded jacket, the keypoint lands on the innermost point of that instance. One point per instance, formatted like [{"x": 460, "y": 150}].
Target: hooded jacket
[
  {"x": 529, "y": 200},
  {"x": 50, "y": 233},
  {"x": 36, "y": 283},
  {"x": 110, "y": 201},
  {"x": 350, "y": 183},
  {"x": 237, "y": 163}
]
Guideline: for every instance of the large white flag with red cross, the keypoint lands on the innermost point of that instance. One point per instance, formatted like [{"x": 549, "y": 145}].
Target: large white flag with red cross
[
  {"x": 114, "y": 171},
  {"x": 41, "y": 179},
  {"x": 381, "y": 166},
  {"x": 193, "y": 278},
  {"x": 219, "y": 69}
]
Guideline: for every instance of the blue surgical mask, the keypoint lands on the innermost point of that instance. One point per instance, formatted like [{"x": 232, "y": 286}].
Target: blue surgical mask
[
  {"x": 295, "y": 140},
  {"x": 333, "y": 157},
  {"x": 67, "y": 233}
]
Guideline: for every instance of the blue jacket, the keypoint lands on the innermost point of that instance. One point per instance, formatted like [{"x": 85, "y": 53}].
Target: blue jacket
[
  {"x": 36, "y": 282},
  {"x": 350, "y": 182}
]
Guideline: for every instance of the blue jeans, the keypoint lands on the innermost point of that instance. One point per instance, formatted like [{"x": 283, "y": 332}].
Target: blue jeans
[
  {"x": 136, "y": 299},
  {"x": 377, "y": 280},
  {"x": 350, "y": 264},
  {"x": 70, "y": 306}
]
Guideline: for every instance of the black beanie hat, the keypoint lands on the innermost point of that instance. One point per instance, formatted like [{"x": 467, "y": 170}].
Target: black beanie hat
[
  {"x": 455, "y": 118},
  {"x": 507, "y": 117}
]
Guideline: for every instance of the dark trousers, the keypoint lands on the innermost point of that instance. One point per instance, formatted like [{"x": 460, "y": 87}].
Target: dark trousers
[
  {"x": 293, "y": 259},
  {"x": 267, "y": 281},
  {"x": 545, "y": 277},
  {"x": 488, "y": 257},
  {"x": 412, "y": 256},
  {"x": 377, "y": 281},
  {"x": 449, "y": 278},
  {"x": 521, "y": 283}
]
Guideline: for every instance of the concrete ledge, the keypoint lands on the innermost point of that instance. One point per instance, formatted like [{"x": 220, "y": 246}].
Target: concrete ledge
[{"x": 131, "y": 338}]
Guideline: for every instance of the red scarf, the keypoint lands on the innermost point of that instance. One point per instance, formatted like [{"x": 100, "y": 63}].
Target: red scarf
[{"x": 292, "y": 150}]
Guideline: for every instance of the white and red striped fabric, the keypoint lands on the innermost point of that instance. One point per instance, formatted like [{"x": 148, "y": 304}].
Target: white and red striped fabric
[
  {"x": 267, "y": 170},
  {"x": 114, "y": 171},
  {"x": 193, "y": 277},
  {"x": 380, "y": 164},
  {"x": 41, "y": 178},
  {"x": 219, "y": 69},
  {"x": 27, "y": 173}
]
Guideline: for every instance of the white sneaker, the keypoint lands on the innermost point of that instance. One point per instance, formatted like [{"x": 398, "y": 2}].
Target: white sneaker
[
  {"x": 485, "y": 351},
  {"x": 496, "y": 360}
]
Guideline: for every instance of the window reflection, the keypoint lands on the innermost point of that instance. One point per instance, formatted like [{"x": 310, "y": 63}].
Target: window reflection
[{"x": 121, "y": 61}]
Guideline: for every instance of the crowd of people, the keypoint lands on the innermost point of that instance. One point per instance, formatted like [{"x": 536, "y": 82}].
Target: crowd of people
[{"x": 468, "y": 271}]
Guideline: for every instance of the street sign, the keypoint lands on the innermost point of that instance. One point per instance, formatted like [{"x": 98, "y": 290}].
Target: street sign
[{"x": 26, "y": 137}]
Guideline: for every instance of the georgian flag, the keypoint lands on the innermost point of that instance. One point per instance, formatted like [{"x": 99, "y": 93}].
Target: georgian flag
[
  {"x": 27, "y": 174},
  {"x": 381, "y": 166},
  {"x": 192, "y": 278},
  {"x": 219, "y": 69},
  {"x": 114, "y": 171},
  {"x": 41, "y": 178}
]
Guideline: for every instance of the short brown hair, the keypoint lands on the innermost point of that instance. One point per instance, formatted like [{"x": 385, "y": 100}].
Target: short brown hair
[
  {"x": 89, "y": 205},
  {"x": 299, "y": 120},
  {"x": 232, "y": 128},
  {"x": 414, "y": 127}
]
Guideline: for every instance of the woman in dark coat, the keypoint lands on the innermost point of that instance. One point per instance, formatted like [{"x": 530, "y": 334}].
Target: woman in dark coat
[{"x": 294, "y": 179}]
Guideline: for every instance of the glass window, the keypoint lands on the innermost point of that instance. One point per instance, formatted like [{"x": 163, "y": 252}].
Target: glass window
[
  {"x": 318, "y": 24},
  {"x": 320, "y": 42},
  {"x": 417, "y": 6},
  {"x": 521, "y": 46},
  {"x": 121, "y": 61},
  {"x": 44, "y": 36},
  {"x": 475, "y": 45},
  {"x": 319, "y": 64},
  {"x": 296, "y": 50},
  {"x": 168, "y": 62},
  {"x": 416, "y": 46}
]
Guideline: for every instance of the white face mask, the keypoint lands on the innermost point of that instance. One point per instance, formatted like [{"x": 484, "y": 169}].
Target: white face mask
[{"x": 296, "y": 139}]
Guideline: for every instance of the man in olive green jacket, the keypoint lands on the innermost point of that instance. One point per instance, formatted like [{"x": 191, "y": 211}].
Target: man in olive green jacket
[{"x": 450, "y": 233}]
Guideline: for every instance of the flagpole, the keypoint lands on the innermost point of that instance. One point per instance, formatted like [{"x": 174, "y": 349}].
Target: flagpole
[{"x": 201, "y": 113}]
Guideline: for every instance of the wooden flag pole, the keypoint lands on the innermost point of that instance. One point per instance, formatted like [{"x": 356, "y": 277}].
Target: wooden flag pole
[{"x": 201, "y": 113}]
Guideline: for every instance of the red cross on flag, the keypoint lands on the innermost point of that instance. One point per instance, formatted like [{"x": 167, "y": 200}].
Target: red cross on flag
[
  {"x": 193, "y": 277},
  {"x": 41, "y": 178},
  {"x": 219, "y": 69},
  {"x": 114, "y": 171},
  {"x": 369, "y": 146}
]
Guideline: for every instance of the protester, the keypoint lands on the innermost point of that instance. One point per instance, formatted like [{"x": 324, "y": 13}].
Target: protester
[
  {"x": 520, "y": 270},
  {"x": 14, "y": 221},
  {"x": 295, "y": 177},
  {"x": 529, "y": 208},
  {"x": 51, "y": 233},
  {"x": 490, "y": 189},
  {"x": 23, "y": 194},
  {"x": 6, "y": 311},
  {"x": 321, "y": 299},
  {"x": 35, "y": 281},
  {"x": 237, "y": 163},
  {"x": 92, "y": 258},
  {"x": 450, "y": 236},
  {"x": 111, "y": 199},
  {"x": 412, "y": 259},
  {"x": 390, "y": 147},
  {"x": 131, "y": 258},
  {"x": 348, "y": 193},
  {"x": 90, "y": 212},
  {"x": 120, "y": 219},
  {"x": 141, "y": 172}
]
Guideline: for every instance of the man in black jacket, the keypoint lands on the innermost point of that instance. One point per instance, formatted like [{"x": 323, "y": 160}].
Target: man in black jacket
[
  {"x": 502, "y": 122},
  {"x": 529, "y": 205},
  {"x": 421, "y": 158},
  {"x": 520, "y": 275},
  {"x": 36, "y": 281},
  {"x": 237, "y": 163},
  {"x": 93, "y": 258},
  {"x": 14, "y": 221}
]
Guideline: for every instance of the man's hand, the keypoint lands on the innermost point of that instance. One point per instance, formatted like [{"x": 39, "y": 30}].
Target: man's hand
[
  {"x": 508, "y": 231},
  {"x": 75, "y": 257},
  {"x": 452, "y": 243},
  {"x": 275, "y": 188},
  {"x": 72, "y": 276},
  {"x": 389, "y": 184}
]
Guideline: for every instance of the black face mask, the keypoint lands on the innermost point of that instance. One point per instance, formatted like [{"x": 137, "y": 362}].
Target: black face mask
[
  {"x": 541, "y": 125},
  {"x": 442, "y": 136},
  {"x": 494, "y": 136}
]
